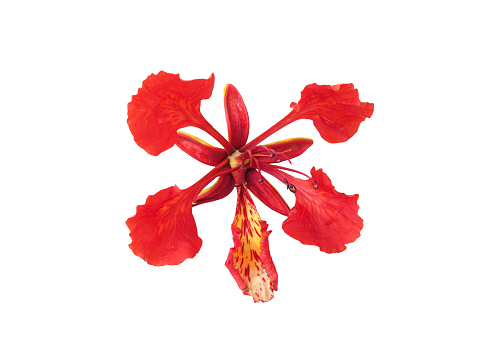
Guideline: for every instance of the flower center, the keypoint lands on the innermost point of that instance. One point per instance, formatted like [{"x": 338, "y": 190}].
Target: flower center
[
  {"x": 238, "y": 162},
  {"x": 236, "y": 159}
]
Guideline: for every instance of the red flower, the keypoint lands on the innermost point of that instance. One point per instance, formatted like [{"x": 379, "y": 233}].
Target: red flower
[{"x": 163, "y": 230}]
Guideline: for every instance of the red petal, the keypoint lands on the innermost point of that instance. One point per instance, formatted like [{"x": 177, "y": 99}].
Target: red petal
[
  {"x": 335, "y": 110},
  {"x": 282, "y": 150},
  {"x": 199, "y": 149},
  {"x": 322, "y": 217},
  {"x": 164, "y": 104},
  {"x": 266, "y": 192},
  {"x": 236, "y": 117},
  {"x": 163, "y": 231},
  {"x": 249, "y": 261}
]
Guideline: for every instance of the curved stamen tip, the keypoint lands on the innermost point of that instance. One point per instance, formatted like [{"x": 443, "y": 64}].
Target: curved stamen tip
[
  {"x": 315, "y": 185},
  {"x": 238, "y": 184},
  {"x": 290, "y": 186},
  {"x": 194, "y": 203}
]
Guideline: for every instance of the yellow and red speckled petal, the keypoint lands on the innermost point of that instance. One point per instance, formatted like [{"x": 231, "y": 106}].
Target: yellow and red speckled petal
[{"x": 249, "y": 261}]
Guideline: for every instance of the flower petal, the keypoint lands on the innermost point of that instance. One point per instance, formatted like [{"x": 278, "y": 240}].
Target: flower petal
[
  {"x": 335, "y": 110},
  {"x": 237, "y": 118},
  {"x": 282, "y": 150},
  {"x": 199, "y": 149},
  {"x": 164, "y": 104},
  {"x": 322, "y": 216},
  {"x": 163, "y": 230},
  {"x": 249, "y": 261},
  {"x": 266, "y": 192}
]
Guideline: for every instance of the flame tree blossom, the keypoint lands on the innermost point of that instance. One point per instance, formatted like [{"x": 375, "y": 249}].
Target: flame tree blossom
[{"x": 163, "y": 230}]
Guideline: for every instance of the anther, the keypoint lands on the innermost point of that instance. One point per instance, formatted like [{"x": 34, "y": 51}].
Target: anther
[
  {"x": 260, "y": 180},
  {"x": 315, "y": 185},
  {"x": 193, "y": 204},
  {"x": 238, "y": 184},
  {"x": 290, "y": 186},
  {"x": 271, "y": 152}
]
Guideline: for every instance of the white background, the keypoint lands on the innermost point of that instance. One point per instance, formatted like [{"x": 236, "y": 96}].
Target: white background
[{"x": 72, "y": 175}]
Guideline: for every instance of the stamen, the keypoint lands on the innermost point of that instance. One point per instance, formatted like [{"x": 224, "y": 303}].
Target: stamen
[
  {"x": 275, "y": 171},
  {"x": 247, "y": 160},
  {"x": 260, "y": 155},
  {"x": 227, "y": 171},
  {"x": 250, "y": 155},
  {"x": 258, "y": 167},
  {"x": 281, "y": 157},
  {"x": 290, "y": 186},
  {"x": 269, "y": 150},
  {"x": 290, "y": 169},
  {"x": 275, "y": 154},
  {"x": 315, "y": 185},
  {"x": 241, "y": 174}
]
